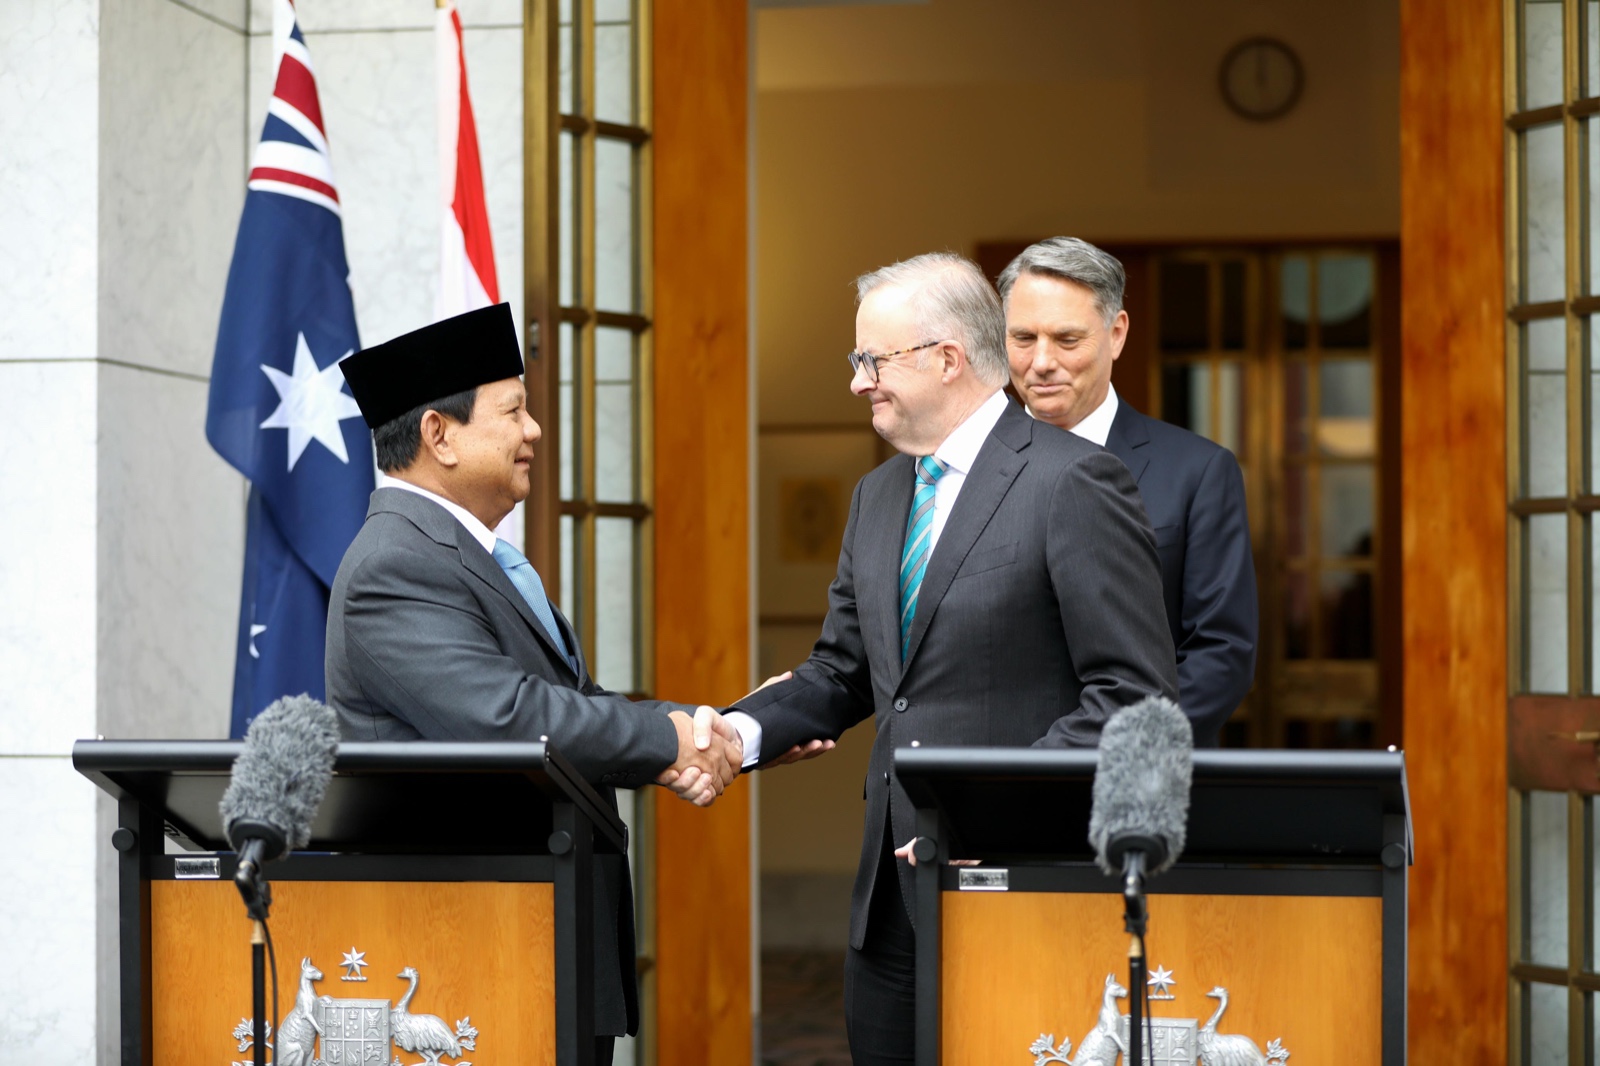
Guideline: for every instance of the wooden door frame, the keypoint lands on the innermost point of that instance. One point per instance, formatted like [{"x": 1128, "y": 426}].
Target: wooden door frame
[
  {"x": 1454, "y": 565},
  {"x": 702, "y": 427}
]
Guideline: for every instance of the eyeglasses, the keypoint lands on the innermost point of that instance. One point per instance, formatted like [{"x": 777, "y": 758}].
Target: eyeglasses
[{"x": 869, "y": 363}]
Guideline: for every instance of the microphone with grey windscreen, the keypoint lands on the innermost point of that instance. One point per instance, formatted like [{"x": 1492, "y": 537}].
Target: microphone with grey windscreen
[
  {"x": 1141, "y": 787},
  {"x": 1138, "y": 821},
  {"x": 278, "y": 783}
]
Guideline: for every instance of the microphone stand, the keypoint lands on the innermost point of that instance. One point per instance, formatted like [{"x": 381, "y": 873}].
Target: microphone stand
[
  {"x": 1135, "y": 919},
  {"x": 257, "y": 892}
]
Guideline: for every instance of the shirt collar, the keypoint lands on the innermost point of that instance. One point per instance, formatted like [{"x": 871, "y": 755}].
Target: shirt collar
[
  {"x": 480, "y": 532},
  {"x": 1096, "y": 426},
  {"x": 960, "y": 449}
]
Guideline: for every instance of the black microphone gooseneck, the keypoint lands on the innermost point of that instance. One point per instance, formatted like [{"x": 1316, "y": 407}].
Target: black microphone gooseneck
[
  {"x": 277, "y": 784},
  {"x": 1137, "y": 826}
]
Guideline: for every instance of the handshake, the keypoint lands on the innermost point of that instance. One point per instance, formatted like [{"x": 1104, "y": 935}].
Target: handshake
[{"x": 710, "y": 755}]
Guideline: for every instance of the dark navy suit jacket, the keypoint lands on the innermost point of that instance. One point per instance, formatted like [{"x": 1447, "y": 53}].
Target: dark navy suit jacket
[{"x": 1194, "y": 494}]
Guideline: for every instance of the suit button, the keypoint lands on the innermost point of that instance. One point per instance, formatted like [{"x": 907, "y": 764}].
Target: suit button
[
  {"x": 886, "y": 777},
  {"x": 901, "y": 703}
]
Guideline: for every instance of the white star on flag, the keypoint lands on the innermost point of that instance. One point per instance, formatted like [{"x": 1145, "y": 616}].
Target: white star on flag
[{"x": 311, "y": 404}]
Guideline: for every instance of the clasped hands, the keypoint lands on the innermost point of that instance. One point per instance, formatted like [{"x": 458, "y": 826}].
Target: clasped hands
[{"x": 710, "y": 754}]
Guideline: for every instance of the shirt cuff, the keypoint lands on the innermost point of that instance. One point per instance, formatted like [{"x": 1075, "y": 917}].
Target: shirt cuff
[{"x": 750, "y": 732}]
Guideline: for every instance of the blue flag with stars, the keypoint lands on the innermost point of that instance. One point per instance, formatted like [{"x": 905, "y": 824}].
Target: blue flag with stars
[{"x": 278, "y": 411}]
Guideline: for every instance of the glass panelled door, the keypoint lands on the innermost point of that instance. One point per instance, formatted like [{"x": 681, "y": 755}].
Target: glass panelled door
[
  {"x": 602, "y": 288},
  {"x": 1553, "y": 278},
  {"x": 588, "y": 139},
  {"x": 1274, "y": 354}
]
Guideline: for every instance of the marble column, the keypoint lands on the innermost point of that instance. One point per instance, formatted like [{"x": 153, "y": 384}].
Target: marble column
[{"x": 129, "y": 128}]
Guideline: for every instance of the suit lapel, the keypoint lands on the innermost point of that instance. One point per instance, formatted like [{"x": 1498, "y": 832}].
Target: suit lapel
[
  {"x": 441, "y": 526},
  {"x": 483, "y": 566},
  {"x": 997, "y": 466},
  {"x": 1128, "y": 438}
]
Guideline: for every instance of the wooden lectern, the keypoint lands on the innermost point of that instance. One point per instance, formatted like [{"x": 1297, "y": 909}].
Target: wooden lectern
[
  {"x": 1281, "y": 930},
  {"x": 443, "y": 910}
]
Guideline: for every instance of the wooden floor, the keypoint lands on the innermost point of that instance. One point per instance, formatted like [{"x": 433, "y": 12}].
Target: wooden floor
[{"x": 802, "y": 1009}]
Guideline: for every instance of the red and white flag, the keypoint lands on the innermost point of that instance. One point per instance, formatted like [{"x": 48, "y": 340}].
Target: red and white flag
[{"x": 467, "y": 278}]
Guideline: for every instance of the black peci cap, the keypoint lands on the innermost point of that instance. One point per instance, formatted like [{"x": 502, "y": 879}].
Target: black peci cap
[{"x": 438, "y": 360}]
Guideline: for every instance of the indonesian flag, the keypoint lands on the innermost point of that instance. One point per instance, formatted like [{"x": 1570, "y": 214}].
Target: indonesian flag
[{"x": 466, "y": 251}]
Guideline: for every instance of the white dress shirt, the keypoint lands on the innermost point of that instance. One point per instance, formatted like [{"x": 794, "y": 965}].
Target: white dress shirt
[
  {"x": 480, "y": 532},
  {"x": 1096, "y": 426},
  {"x": 958, "y": 452}
]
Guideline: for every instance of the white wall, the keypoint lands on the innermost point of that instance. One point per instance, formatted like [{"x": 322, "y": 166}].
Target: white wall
[
  {"x": 128, "y": 128},
  {"x": 889, "y": 130}
]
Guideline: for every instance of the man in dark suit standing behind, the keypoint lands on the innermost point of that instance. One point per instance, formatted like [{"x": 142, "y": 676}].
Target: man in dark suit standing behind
[
  {"x": 1065, "y": 326},
  {"x": 997, "y": 585},
  {"x": 438, "y": 630}
]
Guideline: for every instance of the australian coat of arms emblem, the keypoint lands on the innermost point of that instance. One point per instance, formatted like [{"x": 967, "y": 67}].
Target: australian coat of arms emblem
[
  {"x": 1171, "y": 1042},
  {"x": 343, "y": 1031}
]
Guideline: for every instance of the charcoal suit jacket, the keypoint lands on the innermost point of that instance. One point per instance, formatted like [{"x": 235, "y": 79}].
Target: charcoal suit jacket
[
  {"x": 1040, "y": 615},
  {"x": 428, "y": 639},
  {"x": 1193, "y": 493}
]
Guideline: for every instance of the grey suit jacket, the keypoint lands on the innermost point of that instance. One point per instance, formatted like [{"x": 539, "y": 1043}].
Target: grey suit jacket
[
  {"x": 428, "y": 639},
  {"x": 1040, "y": 615}
]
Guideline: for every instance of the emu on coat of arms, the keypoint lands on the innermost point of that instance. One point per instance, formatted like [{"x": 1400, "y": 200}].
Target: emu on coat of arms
[{"x": 329, "y": 1031}]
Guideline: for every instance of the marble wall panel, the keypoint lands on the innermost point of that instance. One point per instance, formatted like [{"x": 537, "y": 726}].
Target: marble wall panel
[
  {"x": 173, "y": 167},
  {"x": 234, "y": 14},
  {"x": 170, "y": 552},
  {"x": 494, "y": 68},
  {"x": 49, "y": 123},
  {"x": 47, "y": 913},
  {"x": 47, "y": 557},
  {"x": 344, "y": 15},
  {"x": 377, "y": 94}
]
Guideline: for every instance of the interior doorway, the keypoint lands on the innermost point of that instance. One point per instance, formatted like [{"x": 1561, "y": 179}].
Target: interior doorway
[{"x": 887, "y": 130}]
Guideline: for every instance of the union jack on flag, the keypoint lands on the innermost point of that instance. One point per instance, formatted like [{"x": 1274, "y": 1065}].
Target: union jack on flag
[
  {"x": 278, "y": 410},
  {"x": 292, "y": 155}
]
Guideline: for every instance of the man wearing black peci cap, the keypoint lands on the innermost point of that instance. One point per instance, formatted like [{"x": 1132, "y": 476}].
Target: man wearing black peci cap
[{"x": 439, "y": 631}]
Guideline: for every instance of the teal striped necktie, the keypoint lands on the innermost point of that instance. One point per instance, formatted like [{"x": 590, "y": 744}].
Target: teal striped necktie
[{"x": 919, "y": 541}]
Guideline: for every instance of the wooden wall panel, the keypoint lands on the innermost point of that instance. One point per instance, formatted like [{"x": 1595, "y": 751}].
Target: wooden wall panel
[
  {"x": 1453, "y": 428},
  {"x": 702, "y": 588}
]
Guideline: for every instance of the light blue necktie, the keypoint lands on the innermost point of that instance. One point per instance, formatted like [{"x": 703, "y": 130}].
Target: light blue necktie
[
  {"x": 919, "y": 538},
  {"x": 526, "y": 579}
]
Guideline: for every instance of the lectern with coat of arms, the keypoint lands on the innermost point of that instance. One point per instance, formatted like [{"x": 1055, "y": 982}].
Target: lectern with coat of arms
[
  {"x": 1280, "y": 930},
  {"x": 454, "y": 881}
]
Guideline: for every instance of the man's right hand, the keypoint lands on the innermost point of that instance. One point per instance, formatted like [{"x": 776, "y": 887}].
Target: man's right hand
[{"x": 710, "y": 754}]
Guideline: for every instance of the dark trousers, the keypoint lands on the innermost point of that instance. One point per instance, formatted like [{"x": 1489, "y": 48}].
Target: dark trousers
[
  {"x": 603, "y": 1046},
  {"x": 880, "y": 980}
]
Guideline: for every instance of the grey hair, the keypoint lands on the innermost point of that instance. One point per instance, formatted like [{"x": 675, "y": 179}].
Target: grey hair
[
  {"x": 1071, "y": 259},
  {"x": 952, "y": 300}
]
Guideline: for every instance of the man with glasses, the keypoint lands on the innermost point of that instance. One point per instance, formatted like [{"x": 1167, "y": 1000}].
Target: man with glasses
[
  {"x": 1065, "y": 327},
  {"x": 997, "y": 585}
]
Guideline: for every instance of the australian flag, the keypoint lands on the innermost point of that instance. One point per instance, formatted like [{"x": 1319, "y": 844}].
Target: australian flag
[{"x": 278, "y": 410}]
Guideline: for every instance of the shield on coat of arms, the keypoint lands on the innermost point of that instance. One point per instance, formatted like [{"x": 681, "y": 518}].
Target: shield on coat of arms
[
  {"x": 1169, "y": 1041},
  {"x": 354, "y": 1031}
]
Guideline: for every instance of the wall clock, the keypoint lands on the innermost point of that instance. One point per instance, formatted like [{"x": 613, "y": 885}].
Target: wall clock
[{"x": 1261, "y": 79}]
